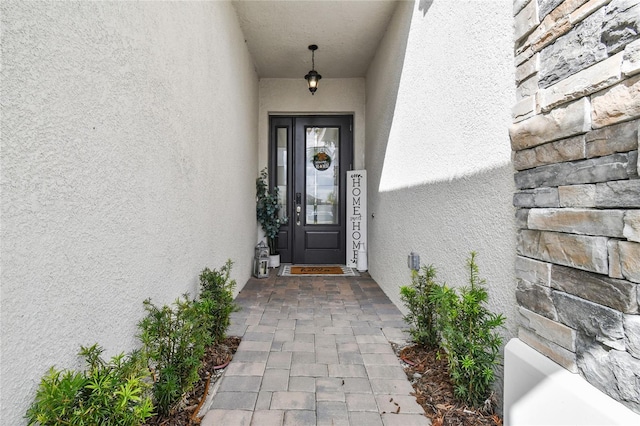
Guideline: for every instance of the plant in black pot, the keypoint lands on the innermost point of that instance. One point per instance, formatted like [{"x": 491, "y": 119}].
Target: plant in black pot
[{"x": 268, "y": 214}]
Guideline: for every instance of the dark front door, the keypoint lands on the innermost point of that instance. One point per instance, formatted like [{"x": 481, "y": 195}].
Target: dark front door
[{"x": 309, "y": 158}]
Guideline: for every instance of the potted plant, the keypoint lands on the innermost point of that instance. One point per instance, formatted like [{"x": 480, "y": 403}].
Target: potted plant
[{"x": 268, "y": 214}]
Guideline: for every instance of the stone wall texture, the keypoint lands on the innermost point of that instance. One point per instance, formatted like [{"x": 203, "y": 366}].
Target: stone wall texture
[{"x": 575, "y": 151}]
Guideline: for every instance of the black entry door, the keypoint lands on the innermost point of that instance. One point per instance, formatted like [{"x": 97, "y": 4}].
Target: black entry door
[{"x": 309, "y": 158}]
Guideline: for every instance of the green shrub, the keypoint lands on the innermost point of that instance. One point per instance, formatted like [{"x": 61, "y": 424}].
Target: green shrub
[
  {"x": 216, "y": 299},
  {"x": 174, "y": 342},
  {"x": 107, "y": 393},
  {"x": 467, "y": 336},
  {"x": 421, "y": 316}
]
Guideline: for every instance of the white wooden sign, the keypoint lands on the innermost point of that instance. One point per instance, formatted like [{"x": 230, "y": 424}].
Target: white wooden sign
[{"x": 356, "y": 214}]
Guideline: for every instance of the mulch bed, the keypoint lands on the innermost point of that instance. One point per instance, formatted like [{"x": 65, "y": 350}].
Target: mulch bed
[
  {"x": 217, "y": 355},
  {"x": 434, "y": 390}
]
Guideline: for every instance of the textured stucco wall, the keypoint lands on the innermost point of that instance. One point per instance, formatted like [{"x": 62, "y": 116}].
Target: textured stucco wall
[
  {"x": 437, "y": 150},
  {"x": 334, "y": 96},
  {"x": 129, "y": 135}
]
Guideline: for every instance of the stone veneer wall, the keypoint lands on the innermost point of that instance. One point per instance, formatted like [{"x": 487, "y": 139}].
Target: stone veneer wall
[{"x": 575, "y": 151}]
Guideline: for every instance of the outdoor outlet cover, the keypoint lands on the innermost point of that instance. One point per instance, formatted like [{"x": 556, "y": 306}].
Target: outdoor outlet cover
[{"x": 413, "y": 261}]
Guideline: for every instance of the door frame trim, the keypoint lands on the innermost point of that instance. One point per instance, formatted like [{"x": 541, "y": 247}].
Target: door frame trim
[{"x": 289, "y": 121}]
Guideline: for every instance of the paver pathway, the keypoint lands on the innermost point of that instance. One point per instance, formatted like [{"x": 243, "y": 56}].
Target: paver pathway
[{"x": 315, "y": 350}]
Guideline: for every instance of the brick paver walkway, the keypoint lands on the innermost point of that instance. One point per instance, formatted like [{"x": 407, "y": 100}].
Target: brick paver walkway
[{"x": 315, "y": 350}]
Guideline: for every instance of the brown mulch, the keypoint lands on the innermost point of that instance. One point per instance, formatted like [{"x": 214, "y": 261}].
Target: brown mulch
[
  {"x": 434, "y": 390},
  {"x": 217, "y": 355}
]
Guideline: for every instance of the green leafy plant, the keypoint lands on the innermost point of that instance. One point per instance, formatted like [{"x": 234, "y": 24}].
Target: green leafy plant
[
  {"x": 268, "y": 210},
  {"x": 216, "y": 299},
  {"x": 107, "y": 393},
  {"x": 174, "y": 340},
  {"x": 421, "y": 316},
  {"x": 468, "y": 336}
]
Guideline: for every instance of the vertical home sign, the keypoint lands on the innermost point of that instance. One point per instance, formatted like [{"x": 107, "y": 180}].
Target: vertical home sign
[{"x": 356, "y": 214}]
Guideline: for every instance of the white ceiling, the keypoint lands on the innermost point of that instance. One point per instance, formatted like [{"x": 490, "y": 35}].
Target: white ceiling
[{"x": 347, "y": 33}]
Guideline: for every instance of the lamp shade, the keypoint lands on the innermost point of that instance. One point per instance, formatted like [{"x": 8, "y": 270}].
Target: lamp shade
[{"x": 312, "y": 80}]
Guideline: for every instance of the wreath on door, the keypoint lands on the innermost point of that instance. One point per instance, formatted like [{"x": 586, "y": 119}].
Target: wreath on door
[{"x": 321, "y": 160}]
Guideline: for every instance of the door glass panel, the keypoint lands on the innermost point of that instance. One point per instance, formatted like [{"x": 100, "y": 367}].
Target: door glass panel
[
  {"x": 322, "y": 175},
  {"x": 281, "y": 169}
]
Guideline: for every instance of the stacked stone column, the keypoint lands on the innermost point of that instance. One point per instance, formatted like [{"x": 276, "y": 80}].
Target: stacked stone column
[{"x": 575, "y": 151}]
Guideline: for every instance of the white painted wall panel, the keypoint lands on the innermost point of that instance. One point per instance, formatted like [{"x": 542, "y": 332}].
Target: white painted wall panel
[
  {"x": 439, "y": 96},
  {"x": 123, "y": 175}
]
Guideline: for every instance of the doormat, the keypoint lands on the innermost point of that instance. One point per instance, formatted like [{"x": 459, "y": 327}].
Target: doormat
[{"x": 317, "y": 271}]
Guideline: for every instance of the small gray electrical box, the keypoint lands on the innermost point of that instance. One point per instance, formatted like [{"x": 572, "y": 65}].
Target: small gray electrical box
[{"x": 413, "y": 261}]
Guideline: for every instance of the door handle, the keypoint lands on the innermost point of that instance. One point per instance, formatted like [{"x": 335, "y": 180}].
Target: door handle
[{"x": 298, "y": 208}]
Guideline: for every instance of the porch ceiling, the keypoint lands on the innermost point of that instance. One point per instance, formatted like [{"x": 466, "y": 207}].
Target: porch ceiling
[{"x": 347, "y": 33}]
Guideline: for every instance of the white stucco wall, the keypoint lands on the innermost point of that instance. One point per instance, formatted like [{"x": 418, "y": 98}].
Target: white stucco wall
[
  {"x": 123, "y": 173},
  {"x": 334, "y": 96},
  {"x": 437, "y": 150}
]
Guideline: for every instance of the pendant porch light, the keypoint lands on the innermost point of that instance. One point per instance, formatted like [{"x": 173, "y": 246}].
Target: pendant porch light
[{"x": 313, "y": 77}]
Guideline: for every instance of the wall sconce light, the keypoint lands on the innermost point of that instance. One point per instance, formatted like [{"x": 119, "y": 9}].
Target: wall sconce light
[{"x": 313, "y": 77}]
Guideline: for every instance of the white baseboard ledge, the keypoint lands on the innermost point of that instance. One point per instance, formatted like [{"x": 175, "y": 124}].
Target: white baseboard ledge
[{"x": 537, "y": 391}]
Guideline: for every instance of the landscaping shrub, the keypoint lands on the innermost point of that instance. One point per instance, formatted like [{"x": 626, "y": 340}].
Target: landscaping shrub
[
  {"x": 468, "y": 337},
  {"x": 107, "y": 393},
  {"x": 174, "y": 342},
  {"x": 421, "y": 316},
  {"x": 216, "y": 299}
]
